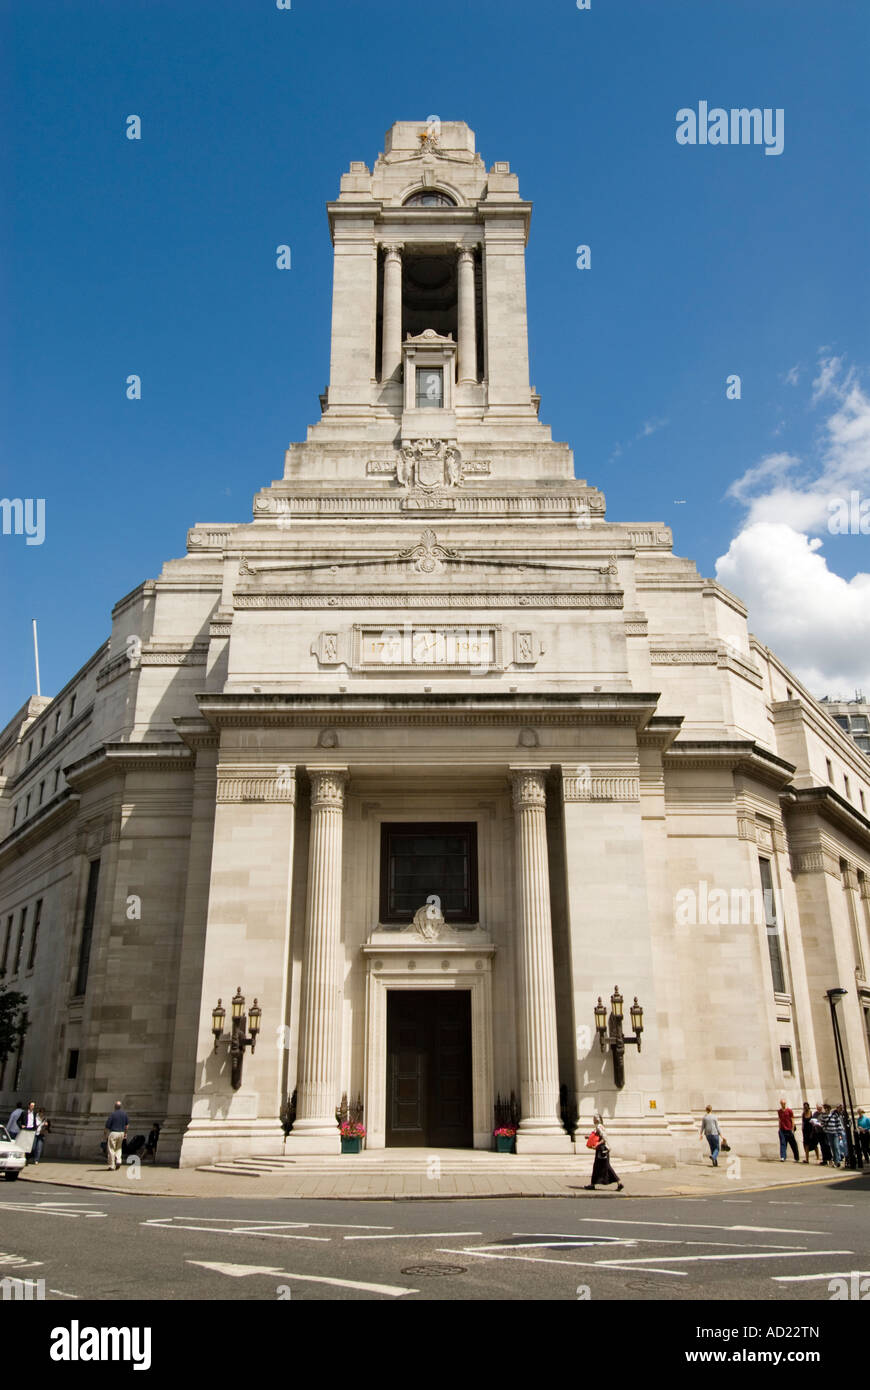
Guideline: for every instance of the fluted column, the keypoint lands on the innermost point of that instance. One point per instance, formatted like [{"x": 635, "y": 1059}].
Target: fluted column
[
  {"x": 315, "y": 1129},
  {"x": 391, "y": 349},
  {"x": 467, "y": 317},
  {"x": 540, "y": 1127}
]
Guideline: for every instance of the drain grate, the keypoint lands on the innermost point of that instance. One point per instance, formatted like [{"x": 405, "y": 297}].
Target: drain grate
[{"x": 433, "y": 1271}]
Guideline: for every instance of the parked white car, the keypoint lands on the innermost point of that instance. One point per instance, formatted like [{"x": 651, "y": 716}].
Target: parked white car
[{"x": 12, "y": 1159}]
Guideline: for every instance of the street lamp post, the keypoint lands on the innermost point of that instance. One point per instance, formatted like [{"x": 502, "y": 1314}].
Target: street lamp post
[
  {"x": 853, "y": 1148},
  {"x": 610, "y": 1034},
  {"x": 239, "y": 1038}
]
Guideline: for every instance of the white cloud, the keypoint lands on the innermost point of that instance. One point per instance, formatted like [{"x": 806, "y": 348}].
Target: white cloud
[
  {"x": 791, "y": 376},
  {"x": 816, "y": 621}
]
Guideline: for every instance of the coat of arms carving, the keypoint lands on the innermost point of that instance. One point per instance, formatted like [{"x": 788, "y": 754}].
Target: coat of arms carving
[{"x": 429, "y": 470}]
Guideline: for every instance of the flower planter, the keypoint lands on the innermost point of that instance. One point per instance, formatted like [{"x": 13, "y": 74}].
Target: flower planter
[
  {"x": 505, "y": 1144},
  {"x": 351, "y": 1146}
]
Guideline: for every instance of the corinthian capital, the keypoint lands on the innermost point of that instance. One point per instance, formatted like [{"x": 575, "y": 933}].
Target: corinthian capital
[
  {"x": 328, "y": 786},
  {"x": 393, "y": 251},
  {"x": 529, "y": 787}
]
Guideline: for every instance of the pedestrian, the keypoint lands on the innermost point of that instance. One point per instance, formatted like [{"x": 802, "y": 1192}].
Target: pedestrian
[
  {"x": 710, "y": 1132},
  {"x": 151, "y": 1142},
  {"x": 15, "y": 1118},
  {"x": 810, "y": 1134},
  {"x": 832, "y": 1126},
  {"x": 787, "y": 1140},
  {"x": 27, "y": 1131},
  {"x": 863, "y": 1127},
  {"x": 116, "y": 1133},
  {"x": 601, "y": 1169},
  {"x": 43, "y": 1125},
  {"x": 824, "y": 1146}
]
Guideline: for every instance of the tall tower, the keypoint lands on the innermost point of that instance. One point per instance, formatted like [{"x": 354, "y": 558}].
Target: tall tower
[{"x": 429, "y": 330}]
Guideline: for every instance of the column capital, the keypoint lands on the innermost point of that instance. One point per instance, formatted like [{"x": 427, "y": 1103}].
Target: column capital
[
  {"x": 328, "y": 785},
  {"x": 465, "y": 253},
  {"x": 528, "y": 787},
  {"x": 393, "y": 250}
]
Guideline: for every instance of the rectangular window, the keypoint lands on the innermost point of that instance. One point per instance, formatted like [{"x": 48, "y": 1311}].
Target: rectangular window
[
  {"x": 21, "y": 925},
  {"x": 848, "y": 789},
  {"x": 785, "y": 1058},
  {"x": 72, "y": 706},
  {"x": 88, "y": 927},
  {"x": 37, "y": 917},
  {"x": 430, "y": 388},
  {"x": 57, "y": 779},
  {"x": 774, "y": 942},
  {"x": 41, "y": 792},
  {"x": 14, "y": 815},
  {"x": 27, "y": 805},
  {"x": 72, "y": 1064},
  {"x": 57, "y": 721},
  {"x": 6, "y": 940},
  {"x": 829, "y": 766},
  {"x": 42, "y": 734},
  {"x": 859, "y": 724},
  {"x": 421, "y": 861}
]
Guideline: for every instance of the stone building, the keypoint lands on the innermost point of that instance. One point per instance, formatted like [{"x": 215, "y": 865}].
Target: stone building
[{"x": 425, "y": 757}]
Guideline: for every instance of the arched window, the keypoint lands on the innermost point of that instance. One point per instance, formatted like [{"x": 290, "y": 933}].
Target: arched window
[{"x": 430, "y": 198}]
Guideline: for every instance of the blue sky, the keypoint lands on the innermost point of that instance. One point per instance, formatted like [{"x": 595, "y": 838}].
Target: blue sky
[{"x": 157, "y": 257}]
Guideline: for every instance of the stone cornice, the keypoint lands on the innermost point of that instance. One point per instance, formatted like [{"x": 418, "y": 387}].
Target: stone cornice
[
  {"x": 375, "y": 499},
  {"x": 448, "y": 598},
  {"x": 45, "y": 821},
  {"x": 827, "y": 803},
  {"x": 114, "y": 758},
  {"x": 46, "y": 755},
  {"x": 734, "y": 755},
  {"x": 660, "y": 732},
  {"x": 248, "y": 710},
  {"x": 196, "y": 733}
]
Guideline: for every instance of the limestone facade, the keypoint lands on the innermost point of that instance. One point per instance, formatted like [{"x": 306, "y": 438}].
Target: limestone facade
[{"x": 429, "y": 621}]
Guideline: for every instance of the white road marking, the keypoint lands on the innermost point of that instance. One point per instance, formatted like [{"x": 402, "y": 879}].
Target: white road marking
[
  {"x": 568, "y": 1244},
  {"x": 242, "y": 1271},
  {"x": 417, "y": 1235},
  {"x": 255, "y": 1224},
  {"x": 650, "y": 1269},
  {"x": 773, "y": 1255},
  {"x": 170, "y": 1225},
  {"x": 703, "y": 1226},
  {"x": 46, "y": 1209},
  {"x": 804, "y": 1278},
  {"x": 527, "y": 1259},
  {"x": 60, "y": 1293}
]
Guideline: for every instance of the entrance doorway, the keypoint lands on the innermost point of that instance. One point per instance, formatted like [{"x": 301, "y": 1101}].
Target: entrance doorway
[{"x": 429, "y": 1100}]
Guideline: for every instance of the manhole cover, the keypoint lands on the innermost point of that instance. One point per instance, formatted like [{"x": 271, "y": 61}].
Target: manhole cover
[{"x": 433, "y": 1271}]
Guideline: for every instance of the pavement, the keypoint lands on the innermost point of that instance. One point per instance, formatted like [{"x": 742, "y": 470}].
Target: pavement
[{"x": 442, "y": 1174}]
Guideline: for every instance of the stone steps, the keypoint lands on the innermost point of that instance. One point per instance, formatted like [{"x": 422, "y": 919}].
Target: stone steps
[{"x": 375, "y": 1165}]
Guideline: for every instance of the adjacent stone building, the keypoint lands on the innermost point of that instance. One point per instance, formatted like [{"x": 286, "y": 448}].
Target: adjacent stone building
[{"x": 425, "y": 757}]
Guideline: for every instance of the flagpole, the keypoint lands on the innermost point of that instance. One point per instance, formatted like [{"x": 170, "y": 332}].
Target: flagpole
[{"x": 36, "y": 657}]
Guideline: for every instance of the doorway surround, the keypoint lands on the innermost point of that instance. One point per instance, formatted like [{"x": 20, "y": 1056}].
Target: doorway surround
[{"x": 453, "y": 960}]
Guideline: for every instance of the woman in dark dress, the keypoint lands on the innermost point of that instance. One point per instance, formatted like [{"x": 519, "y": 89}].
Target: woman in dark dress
[
  {"x": 601, "y": 1169},
  {"x": 810, "y": 1134}
]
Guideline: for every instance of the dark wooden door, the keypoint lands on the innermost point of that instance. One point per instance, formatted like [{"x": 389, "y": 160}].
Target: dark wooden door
[{"x": 429, "y": 1069}]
